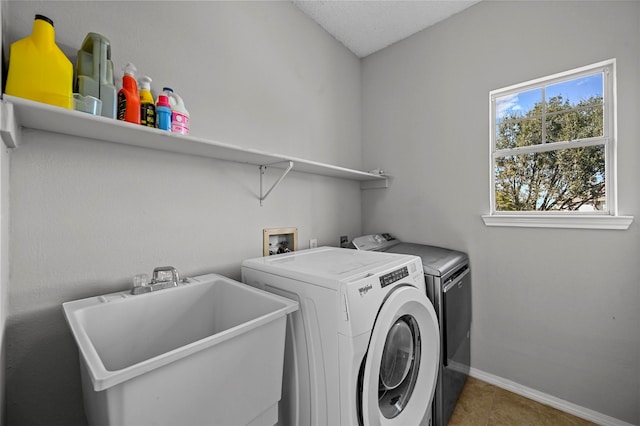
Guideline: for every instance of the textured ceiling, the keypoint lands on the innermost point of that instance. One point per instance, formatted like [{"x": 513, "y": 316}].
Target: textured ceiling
[{"x": 366, "y": 26}]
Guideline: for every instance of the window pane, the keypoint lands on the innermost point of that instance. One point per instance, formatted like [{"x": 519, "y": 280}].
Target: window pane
[
  {"x": 518, "y": 132},
  {"x": 575, "y": 124},
  {"x": 562, "y": 180},
  {"x": 580, "y": 91},
  {"x": 518, "y": 105}
]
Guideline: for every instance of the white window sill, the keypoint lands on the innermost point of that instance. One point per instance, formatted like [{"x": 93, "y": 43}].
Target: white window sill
[{"x": 559, "y": 221}]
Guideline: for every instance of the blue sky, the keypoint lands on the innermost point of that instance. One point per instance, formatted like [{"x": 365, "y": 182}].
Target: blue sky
[{"x": 574, "y": 90}]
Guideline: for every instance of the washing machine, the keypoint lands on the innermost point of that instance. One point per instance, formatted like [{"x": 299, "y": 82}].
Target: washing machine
[
  {"x": 448, "y": 280},
  {"x": 363, "y": 349}
]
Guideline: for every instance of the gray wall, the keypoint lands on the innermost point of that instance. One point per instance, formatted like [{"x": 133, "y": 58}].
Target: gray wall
[
  {"x": 87, "y": 216},
  {"x": 554, "y": 310}
]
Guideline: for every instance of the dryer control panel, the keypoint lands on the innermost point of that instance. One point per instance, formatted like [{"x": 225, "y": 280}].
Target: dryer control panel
[{"x": 392, "y": 277}]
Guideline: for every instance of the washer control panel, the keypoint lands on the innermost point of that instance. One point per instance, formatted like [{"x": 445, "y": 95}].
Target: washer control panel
[{"x": 374, "y": 242}]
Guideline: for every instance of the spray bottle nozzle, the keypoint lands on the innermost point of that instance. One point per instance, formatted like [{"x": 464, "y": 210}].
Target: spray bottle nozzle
[
  {"x": 145, "y": 82},
  {"x": 130, "y": 69}
]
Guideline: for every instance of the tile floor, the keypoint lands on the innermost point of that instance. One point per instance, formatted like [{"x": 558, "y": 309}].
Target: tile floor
[{"x": 482, "y": 404}]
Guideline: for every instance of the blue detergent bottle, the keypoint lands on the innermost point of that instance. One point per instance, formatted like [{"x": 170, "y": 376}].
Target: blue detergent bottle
[{"x": 163, "y": 113}]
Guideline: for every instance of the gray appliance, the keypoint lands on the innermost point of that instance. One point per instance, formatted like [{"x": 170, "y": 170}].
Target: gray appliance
[{"x": 448, "y": 280}]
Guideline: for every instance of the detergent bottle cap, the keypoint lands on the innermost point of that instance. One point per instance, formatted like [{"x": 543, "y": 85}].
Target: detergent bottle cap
[
  {"x": 129, "y": 69},
  {"x": 163, "y": 100},
  {"x": 145, "y": 82},
  {"x": 167, "y": 89},
  {"x": 44, "y": 18}
]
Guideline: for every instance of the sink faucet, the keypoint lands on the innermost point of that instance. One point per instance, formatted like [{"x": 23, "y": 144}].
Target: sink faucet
[
  {"x": 158, "y": 280},
  {"x": 175, "y": 278}
]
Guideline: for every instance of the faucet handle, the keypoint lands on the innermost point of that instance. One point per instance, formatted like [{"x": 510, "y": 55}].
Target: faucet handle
[
  {"x": 141, "y": 280},
  {"x": 160, "y": 273}
]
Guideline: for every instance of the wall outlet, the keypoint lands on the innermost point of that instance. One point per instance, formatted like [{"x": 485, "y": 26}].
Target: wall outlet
[{"x": 313, "y": 243}]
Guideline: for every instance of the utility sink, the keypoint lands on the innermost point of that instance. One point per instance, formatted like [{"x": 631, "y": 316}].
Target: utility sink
[{"x": 206, "y": 352}]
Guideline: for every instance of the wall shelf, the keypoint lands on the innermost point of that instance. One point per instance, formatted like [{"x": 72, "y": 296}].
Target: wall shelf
[{"x": 20, "y": 113}]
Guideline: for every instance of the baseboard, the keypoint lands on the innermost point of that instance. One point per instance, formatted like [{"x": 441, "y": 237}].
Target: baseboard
[{"x": 552, "y": 401}]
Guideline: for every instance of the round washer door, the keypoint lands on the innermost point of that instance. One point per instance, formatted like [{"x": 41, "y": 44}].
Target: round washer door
[{"x": 402, "y": 362}]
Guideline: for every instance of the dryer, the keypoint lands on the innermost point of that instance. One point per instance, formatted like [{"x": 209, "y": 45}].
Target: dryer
[
  {"x": 363, "y": 349},
  {"x": 448, "y": 279}
]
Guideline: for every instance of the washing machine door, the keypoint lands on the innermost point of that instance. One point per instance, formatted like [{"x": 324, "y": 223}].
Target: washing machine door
[{"x": 401, "y": 367}]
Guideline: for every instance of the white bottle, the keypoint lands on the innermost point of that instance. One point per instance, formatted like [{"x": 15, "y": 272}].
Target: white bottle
[{"x": 179, "y": 113}]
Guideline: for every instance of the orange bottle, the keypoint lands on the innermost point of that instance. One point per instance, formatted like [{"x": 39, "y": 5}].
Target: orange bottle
[{"x": 128, "y": 97}]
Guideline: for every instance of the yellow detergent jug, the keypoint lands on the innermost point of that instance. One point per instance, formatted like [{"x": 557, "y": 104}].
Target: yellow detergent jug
[{"x": 38, "y": 70}]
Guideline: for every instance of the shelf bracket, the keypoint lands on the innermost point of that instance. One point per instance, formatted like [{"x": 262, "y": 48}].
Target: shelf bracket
[
  {"x": 375, "y": 184},
  {"x": 9, "y": 130},
  {"x": 263, "y": 195}
]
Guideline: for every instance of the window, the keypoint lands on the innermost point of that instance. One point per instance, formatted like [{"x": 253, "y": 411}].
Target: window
[{"x": 553, "y": 147}]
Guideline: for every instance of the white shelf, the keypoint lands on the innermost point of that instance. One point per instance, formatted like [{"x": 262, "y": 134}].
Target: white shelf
[{"x": 17, "y": 113}]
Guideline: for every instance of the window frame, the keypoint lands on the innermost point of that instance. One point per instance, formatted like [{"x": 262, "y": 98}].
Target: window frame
[{"x": 608, "y": 219}]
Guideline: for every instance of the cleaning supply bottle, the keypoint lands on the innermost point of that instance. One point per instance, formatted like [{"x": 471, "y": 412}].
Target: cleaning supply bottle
[
  {"x": 147, "y": 107},
  {"x": 163, "y": 112},
  {"x": 94, "y": 73},
  {"x": 179, "y": 116},
  {"x": 179, "y": 113},
  {"x": 128, "y": 97},
  {"x": 38, "y": 70}
]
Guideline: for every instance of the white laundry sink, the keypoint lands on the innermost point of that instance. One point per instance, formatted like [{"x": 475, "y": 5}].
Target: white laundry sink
[{"x": 206, "y": 352}]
